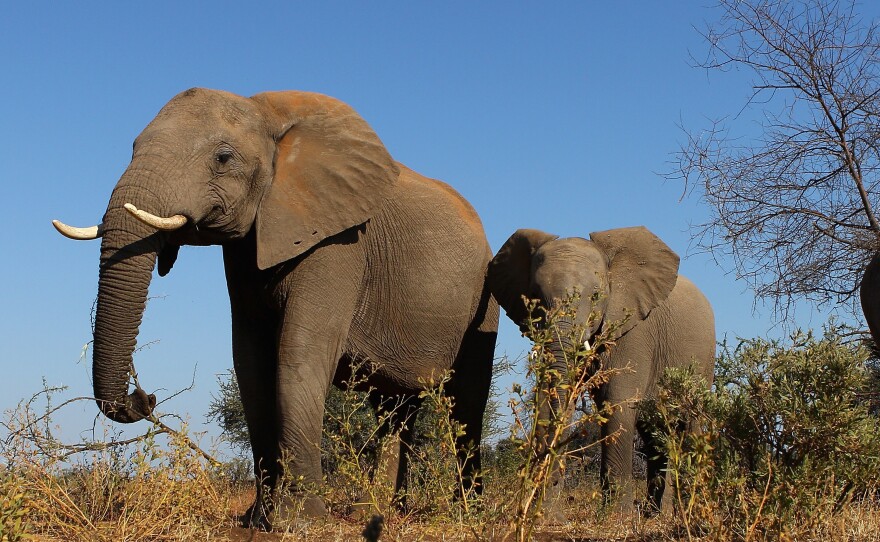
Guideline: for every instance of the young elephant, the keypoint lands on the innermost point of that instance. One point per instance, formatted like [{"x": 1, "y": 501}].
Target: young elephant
[{"x": 670, "y": 323}]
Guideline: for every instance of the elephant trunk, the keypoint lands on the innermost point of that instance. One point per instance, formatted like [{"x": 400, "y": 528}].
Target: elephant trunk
[
  {"x": 554, "y": 396},
  {"x": 128, "y": 255}
]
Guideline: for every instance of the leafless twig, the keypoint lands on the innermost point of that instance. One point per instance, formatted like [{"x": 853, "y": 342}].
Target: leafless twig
[{"x": 793, "y": 203}]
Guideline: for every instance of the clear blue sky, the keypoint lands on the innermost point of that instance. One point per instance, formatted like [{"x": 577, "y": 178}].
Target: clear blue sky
[{"x": 546, "y": 115}]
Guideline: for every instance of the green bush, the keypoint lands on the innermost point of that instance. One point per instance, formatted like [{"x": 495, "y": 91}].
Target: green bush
[
  {"x": 787, "y": 440},
  {"x": 14, "y": 507},
  {"x": 227, "y": 410}
]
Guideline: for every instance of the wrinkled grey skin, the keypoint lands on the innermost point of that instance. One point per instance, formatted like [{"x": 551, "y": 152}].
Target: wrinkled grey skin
[
  {"x": 869, "y": 294},
  {"x": 332, "y": 251},
  {"x": 629, "y": 271}
]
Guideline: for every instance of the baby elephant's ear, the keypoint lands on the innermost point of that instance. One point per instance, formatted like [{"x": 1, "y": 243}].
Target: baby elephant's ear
[
  {"x": 643, "y": 271},
  {"x": 331, "y": 172},
  {"x": 510, "y": 271}
]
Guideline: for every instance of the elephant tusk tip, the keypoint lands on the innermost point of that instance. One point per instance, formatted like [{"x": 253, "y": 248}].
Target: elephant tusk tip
[
  {"x": 130, "y": 208},
  {"x": 79, "y": 234}
]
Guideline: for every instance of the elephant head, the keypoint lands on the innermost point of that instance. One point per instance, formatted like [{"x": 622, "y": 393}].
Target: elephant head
[
  {"x": 621, "y": 275},
  {"x": 289, "y": 168}
]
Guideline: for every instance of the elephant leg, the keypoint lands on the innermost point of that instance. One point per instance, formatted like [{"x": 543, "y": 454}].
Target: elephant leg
[
  {"x": 615, "y": 471},
  {"x": 254, "y": 361},
  {"x": 397, "y": 416},
  {"x": 321, "y": 296},
  {"x": 554, "y": 512},
  {"x": 469, "y": 390},
  {"x": 305, "y": 368},
  {"x": 254, "y": 338},
  {"x": 655, "y": 456}
]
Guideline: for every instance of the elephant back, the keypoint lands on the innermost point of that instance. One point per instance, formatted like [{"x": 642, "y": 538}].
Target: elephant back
[
  {"x": 426, "y": 258},
  {"x": 678, "y": 333}
]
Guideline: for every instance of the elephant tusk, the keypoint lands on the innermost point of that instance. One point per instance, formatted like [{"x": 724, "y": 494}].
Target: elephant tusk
[
  {"x": 160, "y": 223},
  {"x": 79, "y": 234}
]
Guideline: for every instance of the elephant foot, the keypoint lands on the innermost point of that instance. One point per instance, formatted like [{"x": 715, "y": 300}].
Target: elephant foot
[
  {"x": 284, "y": 513},
  {"x": 622, "y": 509},
  {"x": 649, "y": 509},
  {"x": 255, "y": 518},
  {"x": 313, "y": 506},
  {"x": 554, "y": 513},
  {"x": 619, "y": 500},
  {"x": 364, "y": 509},
  {"x": 290, "y": 508}
]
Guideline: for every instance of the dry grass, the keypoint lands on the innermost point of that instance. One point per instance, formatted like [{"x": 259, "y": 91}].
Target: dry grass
[
  {"x": 162, "y": 486},
  {"x": 152, "y": 493},
  {"x": 179, "y": 497}
]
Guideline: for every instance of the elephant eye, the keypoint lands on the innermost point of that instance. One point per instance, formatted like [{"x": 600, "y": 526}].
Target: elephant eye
[{"x": 223, "y": 157}]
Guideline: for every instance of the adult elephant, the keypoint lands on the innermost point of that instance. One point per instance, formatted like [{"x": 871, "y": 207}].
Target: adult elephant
[
  {"x": 618, "y": 273},
  {"x": 333, "y": 253},
  {"x": 869, "y": 295}
]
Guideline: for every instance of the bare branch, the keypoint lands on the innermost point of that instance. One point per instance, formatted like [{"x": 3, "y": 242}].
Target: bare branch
[
  {"x": 793, "y": 205},
  {"x": 36, "y": 430}
]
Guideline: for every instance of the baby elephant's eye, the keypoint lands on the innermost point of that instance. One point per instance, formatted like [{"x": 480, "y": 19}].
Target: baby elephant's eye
[{"x": 223, "y": 157}]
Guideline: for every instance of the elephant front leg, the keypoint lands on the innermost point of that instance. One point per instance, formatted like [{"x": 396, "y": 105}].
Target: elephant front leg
[
  {"x": 302, "y": 390},
  {"x": 551, "y": 409},
  {"x": 615, "y": 472},
  {"x": 253, "y": 351},
  {"x": 311, "y": 342}
]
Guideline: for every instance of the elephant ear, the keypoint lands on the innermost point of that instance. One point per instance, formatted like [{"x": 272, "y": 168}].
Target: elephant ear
[
  {"x": 642, "y": 272},
  {"x": 510, "y": 271},
  {"x": 331, "y": 172}
]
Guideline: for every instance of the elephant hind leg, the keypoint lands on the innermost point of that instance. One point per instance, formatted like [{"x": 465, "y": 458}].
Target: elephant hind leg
[
  {"x": 397, "y": 418},
  {"x": 469, "y": 390},
  {"x": 655, "y": 456}
]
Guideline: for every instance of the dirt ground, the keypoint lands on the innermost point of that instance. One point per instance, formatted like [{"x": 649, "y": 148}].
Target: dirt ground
[{"x": 349, "y": 529}]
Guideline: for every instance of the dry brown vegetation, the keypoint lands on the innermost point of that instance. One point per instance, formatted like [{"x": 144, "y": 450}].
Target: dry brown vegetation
[
  {"x": 790, "y": 451},
  {"x": 182, "y": 498}
]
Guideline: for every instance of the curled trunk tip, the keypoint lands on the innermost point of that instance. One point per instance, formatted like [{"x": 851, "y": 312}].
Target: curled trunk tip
[{"x": 136, "y": 406}]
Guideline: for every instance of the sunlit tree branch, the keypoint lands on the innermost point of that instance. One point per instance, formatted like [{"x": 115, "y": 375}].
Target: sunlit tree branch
[{"x": 793, "y": 203}]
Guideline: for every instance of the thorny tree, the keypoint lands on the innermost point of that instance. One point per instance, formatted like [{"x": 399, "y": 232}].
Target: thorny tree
[{"x": 794, "y": 205}]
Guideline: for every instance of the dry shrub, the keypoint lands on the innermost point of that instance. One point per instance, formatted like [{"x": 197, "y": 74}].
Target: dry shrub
[
  {"x": 437, "y": 490},
  {"x": 352, "y": 443},
  {"x": 548, "y": 426},
  {"x": 789, "y": 450},
  {"x": 154, "y": 487}
]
